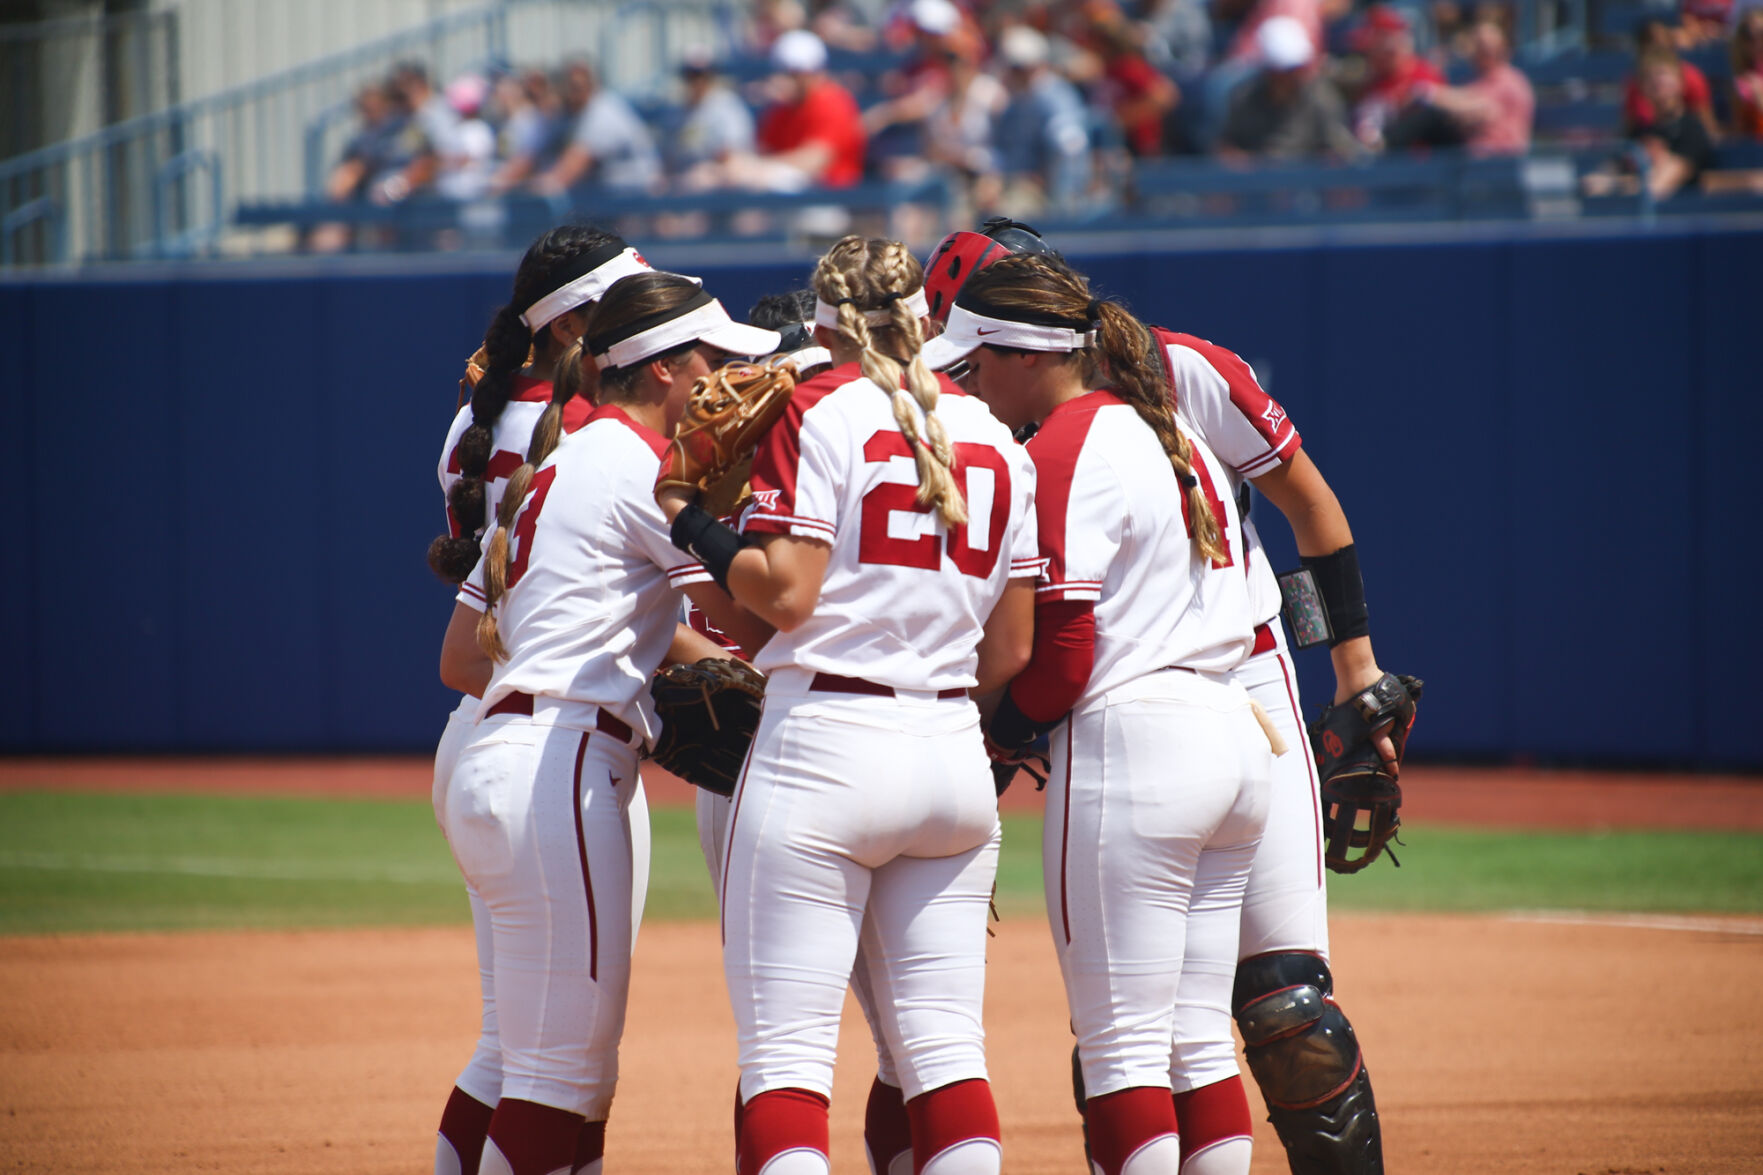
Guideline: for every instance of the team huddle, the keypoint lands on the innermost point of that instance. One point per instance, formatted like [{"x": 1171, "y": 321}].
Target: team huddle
[{"x": 945, "y": 518}]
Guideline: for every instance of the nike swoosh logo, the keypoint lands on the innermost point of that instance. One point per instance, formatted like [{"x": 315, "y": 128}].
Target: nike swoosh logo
[{"x": 988, "y": 332}]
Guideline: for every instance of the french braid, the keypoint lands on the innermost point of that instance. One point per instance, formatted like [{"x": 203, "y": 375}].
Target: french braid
[{"x": 874, "y": 274}]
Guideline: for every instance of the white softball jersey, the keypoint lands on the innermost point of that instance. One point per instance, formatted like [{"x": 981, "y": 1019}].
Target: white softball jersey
[
  {"x": 592, "y": 596},
  {"x": 1114, "y": 531},
  {"x": 509, "y": 440},
  {"x": 905, "y": 597},
  {"x": 1218, "y": 397}
]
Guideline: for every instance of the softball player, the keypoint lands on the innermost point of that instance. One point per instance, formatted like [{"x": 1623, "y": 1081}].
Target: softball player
[
  {"x": 558, "y": 628},
  {"x": 1159, "y": 786},
  {"x": 558, "y": 279},
  {"x": 1308, "y": 1064},
  {"x": 892, "y": 546}
]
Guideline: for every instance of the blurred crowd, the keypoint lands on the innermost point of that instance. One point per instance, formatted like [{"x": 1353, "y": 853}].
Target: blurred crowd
[{"x": 1032, "y": 106}]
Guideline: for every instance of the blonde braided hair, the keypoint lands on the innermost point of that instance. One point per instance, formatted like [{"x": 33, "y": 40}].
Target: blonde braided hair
[{"x": 859, "y": 274}]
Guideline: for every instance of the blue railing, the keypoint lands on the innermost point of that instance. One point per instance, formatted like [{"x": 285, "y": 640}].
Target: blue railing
[{"x": 120, "y": 193}]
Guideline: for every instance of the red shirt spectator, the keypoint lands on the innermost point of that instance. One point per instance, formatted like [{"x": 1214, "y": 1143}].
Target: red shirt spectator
[
  {"x": 827, "y": 115},
  {"x": 1495, "y": 110},
  {"x": 816, "y": 125},
  {"x": 1698, "y": 98},
  {"x": 1395, "y": 72},
  {"x": 1747, "y": 75}
]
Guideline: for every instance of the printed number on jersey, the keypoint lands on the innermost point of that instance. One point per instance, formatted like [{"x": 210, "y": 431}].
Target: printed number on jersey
[
  {"x": 892, "y": 507},
  {"x": 528, "y": 522}
]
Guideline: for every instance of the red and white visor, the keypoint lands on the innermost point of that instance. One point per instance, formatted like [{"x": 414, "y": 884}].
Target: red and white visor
[{"x": 967, "y": 331}]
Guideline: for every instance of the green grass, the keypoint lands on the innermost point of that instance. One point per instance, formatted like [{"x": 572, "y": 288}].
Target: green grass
[{"x": 84, "y": 862}]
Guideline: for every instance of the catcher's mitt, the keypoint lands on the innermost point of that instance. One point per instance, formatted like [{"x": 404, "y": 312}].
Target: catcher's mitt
[
  {"x": 1356, "y": 782},
  {"x": 729, "y": 410},
  {"x": 709, "y": 711}
]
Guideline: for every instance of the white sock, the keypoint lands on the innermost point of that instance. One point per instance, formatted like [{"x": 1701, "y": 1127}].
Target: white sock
[
  {"x": 1160, "y": 1156},
  {"x": 802, "y": 1161}
]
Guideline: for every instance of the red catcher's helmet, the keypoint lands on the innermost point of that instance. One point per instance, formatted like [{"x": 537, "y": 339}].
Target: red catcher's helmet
[{"x": 960, "y": 255}]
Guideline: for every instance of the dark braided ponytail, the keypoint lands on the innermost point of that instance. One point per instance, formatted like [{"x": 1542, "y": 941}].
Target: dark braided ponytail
[{"x": 552, "y": 261}]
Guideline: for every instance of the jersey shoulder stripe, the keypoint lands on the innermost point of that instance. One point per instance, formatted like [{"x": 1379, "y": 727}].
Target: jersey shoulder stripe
[{"x": 1055, "y": 450}]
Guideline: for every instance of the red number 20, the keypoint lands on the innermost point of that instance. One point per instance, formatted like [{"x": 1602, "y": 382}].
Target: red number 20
[{"x": 876, "y": 545}]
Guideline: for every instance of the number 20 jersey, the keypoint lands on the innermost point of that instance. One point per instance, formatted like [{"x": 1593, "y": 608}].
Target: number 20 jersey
[{"x": 906, "y": 597}]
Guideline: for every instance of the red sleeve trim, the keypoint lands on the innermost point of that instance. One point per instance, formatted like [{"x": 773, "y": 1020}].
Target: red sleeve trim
[{"x": 656, "y": 442}]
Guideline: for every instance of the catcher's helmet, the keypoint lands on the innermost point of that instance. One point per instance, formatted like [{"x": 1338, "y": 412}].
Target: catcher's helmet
[{"x": 960, "y": 255}]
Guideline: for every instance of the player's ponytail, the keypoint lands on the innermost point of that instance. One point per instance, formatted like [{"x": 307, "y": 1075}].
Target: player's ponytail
[
  {"x": 555, "y": 259},
  {"x": 1040, "y": 289},
  {"x": 860, "y": 277},
  {"x": 1122, "y": 343}
]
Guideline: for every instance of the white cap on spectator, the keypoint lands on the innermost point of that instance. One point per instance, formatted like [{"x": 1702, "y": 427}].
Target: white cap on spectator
[
  {"x": 936, "y": 17},
  {"x": 799, "y": 51},
  {"x": 1283, "y": 43},
  {"x": 1022, "y": 47}
]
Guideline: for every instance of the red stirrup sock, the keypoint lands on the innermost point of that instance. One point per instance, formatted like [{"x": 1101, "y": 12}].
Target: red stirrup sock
[
  {"x": 534, "y": 1139},
  {"x": 887, "y": 1129},
  {"x": 953, "y": 1114},
  {"x": 780, "y": 1120},
  {"x": 740, "y": 1112},
  {"x": 464, "y": 1123},
  {"x": 1124, "y": 1122},
  {"x": 1213, "y": 1114},
  {"x": 590, "y": 1145}
]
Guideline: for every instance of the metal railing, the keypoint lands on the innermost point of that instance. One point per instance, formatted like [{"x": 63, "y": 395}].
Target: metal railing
[{"x": 128, "y": 191}]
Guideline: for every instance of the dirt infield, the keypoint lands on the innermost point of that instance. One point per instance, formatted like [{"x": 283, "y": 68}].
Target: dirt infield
[
  {"x": 1498, "y": 1046},
  {"x": 1592, "y": 1047},
  {"x": 1502, "y": 797}
]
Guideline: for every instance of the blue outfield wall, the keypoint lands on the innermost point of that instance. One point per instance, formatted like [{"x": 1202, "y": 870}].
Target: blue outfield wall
[{"x": 223, "y": 485}]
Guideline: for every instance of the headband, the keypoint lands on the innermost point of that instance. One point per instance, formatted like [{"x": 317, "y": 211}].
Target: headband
[
  {"x": 967, "y": 331},
  {"x": 827, "y": 314},
  {"x": 586, "y": 288},
  {"x": 700, "y": 319}
]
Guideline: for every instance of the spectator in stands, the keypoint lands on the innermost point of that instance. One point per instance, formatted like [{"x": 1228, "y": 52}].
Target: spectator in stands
[
  {"x": 1043, "y": 135},
  {"x": 609, "y": 146},
  {"x": 959, "y": 133},
  {"x": 1675, "y": 144},
  {"x": 1140, "y": 96},
  {"x": 813, "y": 133},
  {"x": 369, "y": 149},
  {"x": 1393, "y": 72},
  {"x": 895, "y": 125},
  {"x": 469, "y": 165},
  {"x": 1655, "y": 36},
  {"x": 716, "y": 125},
  {"x": 534, "y": 132},
  {"x": 1747, "y": 75},
  {"x": 368, "y": 157},
  {"x": 1289, "y": 110},
  {"x": 1178, "y": 36},
  {"x": 1495, "y": 111},
  {"x": 430, "y": 111}
]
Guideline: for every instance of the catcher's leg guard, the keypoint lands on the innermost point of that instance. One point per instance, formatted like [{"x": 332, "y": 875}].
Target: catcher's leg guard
[{"x": 1305, "y": 1058}]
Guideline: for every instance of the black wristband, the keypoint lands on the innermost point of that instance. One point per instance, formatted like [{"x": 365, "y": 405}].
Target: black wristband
[
  {"x": 1343, "y": 593},
  {"x": 1012, "y": 729},
  {"x": 715, "y": 544}
]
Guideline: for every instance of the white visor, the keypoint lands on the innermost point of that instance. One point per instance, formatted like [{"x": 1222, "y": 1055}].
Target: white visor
[
  {"x": 708, "y": 323},
  {"x": 967, "y": 331},
  {"x": 827, "y": 315},
  {"x": 586, "y": 288}
]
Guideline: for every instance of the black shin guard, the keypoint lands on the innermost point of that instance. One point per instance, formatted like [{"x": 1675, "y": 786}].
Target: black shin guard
[{"x": 1305, "y": 1057}]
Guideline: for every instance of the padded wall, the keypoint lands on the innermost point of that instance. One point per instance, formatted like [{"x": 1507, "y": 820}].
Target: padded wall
[{"x": 224, "y": 483}]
